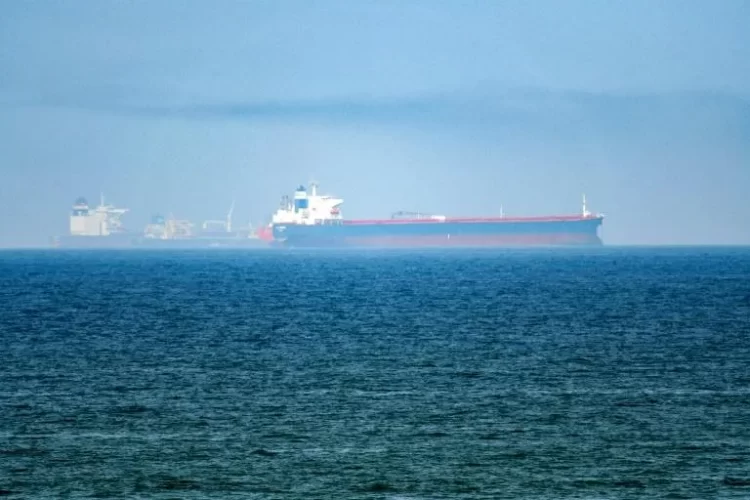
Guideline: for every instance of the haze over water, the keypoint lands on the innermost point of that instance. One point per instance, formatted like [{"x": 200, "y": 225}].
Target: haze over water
[
  {"x": 453, "y": 108},
  {"x": 603, "y": 373}
]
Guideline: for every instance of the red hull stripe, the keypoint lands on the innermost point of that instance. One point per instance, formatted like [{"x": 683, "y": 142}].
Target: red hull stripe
[
  {"x": 476, "y": 240},
  {"x": 265, "y": 234},
  {"x": 470, "y": 220}
]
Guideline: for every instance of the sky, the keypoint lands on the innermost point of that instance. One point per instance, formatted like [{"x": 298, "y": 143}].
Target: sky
[{"x": 449, "y": 107}]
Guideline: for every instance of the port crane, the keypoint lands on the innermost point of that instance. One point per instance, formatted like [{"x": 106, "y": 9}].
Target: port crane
[{"x": 226, "y": 224}]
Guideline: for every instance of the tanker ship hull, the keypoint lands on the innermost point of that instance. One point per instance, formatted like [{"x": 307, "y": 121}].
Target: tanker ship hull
[
  {"x": 563, "y": 231},
  {"x": 188, "y": 243},
  {"x": 113, "y": 241},
  {"x": 128, "y": 241}
]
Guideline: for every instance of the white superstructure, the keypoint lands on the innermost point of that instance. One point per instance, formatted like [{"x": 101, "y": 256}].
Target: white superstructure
[
  {"x": 308, "y": 208},
  {"x": 168, "y": 229},
  {"x": 100, "y": 221}
]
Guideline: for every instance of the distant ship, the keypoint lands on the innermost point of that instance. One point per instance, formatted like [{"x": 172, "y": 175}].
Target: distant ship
[
  {"x": 101, "y": 227},
  {"x": 312, "y": 220}
]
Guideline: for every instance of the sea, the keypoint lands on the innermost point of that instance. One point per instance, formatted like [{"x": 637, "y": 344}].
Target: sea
[{"x": 604, "y": 373}]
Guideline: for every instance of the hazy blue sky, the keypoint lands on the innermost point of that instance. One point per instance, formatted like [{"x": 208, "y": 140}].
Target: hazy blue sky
[{"x": 452, "y": 107}]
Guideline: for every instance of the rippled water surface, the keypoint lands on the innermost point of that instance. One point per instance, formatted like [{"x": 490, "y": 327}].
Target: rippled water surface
[{"x": 607, "y": 373}]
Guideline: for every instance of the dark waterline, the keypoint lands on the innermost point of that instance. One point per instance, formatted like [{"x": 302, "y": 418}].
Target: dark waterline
[{"x": 571, "y": 373}]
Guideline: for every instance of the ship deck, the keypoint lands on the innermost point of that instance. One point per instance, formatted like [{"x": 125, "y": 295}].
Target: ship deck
[{"x": 470, "y": 220}]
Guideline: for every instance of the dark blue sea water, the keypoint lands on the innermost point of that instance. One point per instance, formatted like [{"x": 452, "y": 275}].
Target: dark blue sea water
[{"x": 592, "y": 374}]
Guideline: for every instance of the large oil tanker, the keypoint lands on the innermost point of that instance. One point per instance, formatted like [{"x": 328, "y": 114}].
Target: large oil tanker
[{"x": 312, "y": 220}]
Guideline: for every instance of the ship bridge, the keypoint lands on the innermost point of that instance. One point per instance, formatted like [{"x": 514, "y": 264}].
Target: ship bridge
[
  {"x": 308, "y": 208},
  {"x": 100, "y": 221}
]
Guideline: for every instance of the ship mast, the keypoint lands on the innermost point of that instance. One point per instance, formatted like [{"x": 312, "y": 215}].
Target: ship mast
[
  {"x": 584, "y": 210},
  {"x": 229, "y": 218}
]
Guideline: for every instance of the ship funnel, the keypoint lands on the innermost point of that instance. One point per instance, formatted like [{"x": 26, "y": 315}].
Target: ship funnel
[{"x": 301, "y": 201}]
